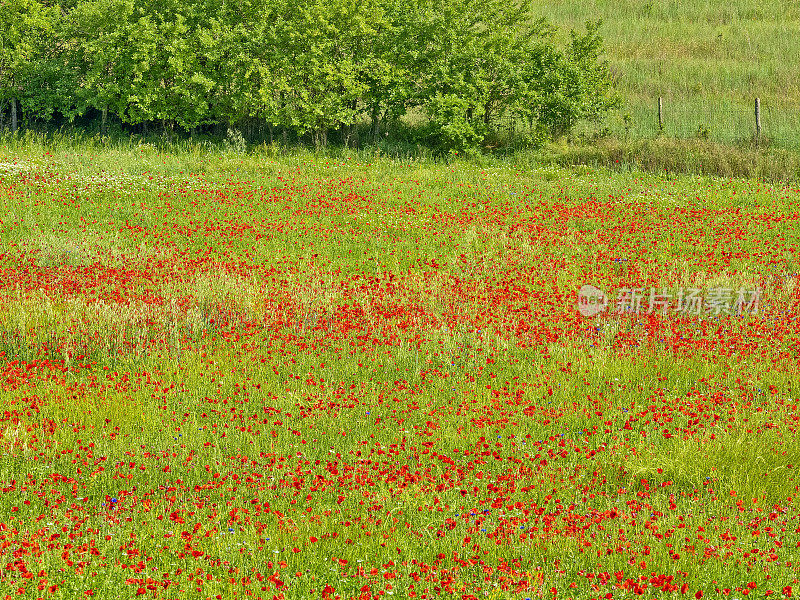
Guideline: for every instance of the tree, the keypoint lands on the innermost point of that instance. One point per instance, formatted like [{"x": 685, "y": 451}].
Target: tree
[
  {"x": 475, "y": 66},
  {"x": 139, "y": 59},
  {"x": 26, "y": 29},
  {"x": 100, "y": 56},
  {"x": 572, "y": 85},
  {"x": 321, "y": 66}
]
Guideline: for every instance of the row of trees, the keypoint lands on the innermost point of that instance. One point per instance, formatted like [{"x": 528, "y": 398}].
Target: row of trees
[{"x": 308, "y": 67}]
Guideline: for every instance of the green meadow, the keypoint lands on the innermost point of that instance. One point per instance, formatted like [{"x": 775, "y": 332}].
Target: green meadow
[{"x": 304, "y": 376}]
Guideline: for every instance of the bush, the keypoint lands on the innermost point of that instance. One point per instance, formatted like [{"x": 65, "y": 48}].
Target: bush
[{"x": 449, "y": 126}]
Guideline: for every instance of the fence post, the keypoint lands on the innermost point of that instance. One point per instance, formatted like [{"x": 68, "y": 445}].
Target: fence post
[
  {"x": 758, "y": 120},
  {"x": 13, "y": 115},
  {"x": 660, "y": 114}
]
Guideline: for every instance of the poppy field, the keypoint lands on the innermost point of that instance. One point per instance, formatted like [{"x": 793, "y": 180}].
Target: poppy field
[{"x": 242, "y": 376}]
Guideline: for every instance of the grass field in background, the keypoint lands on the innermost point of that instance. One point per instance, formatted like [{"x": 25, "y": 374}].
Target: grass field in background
[
  {"x": 245, "y": 376},
  {"x": 709, "y": 60}
]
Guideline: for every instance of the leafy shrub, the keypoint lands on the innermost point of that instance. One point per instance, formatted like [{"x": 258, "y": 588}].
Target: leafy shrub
[{"x": 450, "y": 126}]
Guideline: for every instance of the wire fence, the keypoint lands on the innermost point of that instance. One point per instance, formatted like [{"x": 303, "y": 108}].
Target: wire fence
[{"x": 761, "y": 121}]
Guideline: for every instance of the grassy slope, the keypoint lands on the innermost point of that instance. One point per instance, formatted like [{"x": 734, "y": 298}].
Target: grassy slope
[{"x": 709, "y": 60}]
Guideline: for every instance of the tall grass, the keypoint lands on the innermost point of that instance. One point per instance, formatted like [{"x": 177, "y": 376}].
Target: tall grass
[{"x": 709, "y": 60}]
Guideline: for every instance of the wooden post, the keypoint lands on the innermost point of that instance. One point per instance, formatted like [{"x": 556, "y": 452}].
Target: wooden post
[
  {"x": 758, "y": 120},
  {"x": 13, "y": 115},
  {"x": 660, "y": 114}
]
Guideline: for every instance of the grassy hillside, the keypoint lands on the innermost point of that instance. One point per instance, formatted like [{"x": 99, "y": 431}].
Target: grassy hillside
[{"x": 709, "y": 60}]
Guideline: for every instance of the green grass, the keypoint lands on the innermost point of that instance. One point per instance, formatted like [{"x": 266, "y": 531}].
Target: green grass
[{"x": 708, "y": 60}]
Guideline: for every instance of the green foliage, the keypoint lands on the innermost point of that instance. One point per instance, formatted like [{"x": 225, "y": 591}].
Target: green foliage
[
  {"x": 450, "y": 126},
  {"x": 572, "y": 85},
  {"x": 465, "y": 65},
  {"x": 490, "y": 60},
  {"x": 140, "y": 59},
  {"x": 27, "y": 30},
  {"x": 320, "y": 58}
]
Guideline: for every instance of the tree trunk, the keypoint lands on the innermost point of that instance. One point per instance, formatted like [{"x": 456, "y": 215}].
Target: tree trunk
[
  {"x": 349, "y": 128},
  {"x": 103, "y": 128},
  {"x": 13, "y": 115},
  {"x": 346, "y": 133},
  {"x": 376, "y": 124},
  {"x": 321, "y": 138}
]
